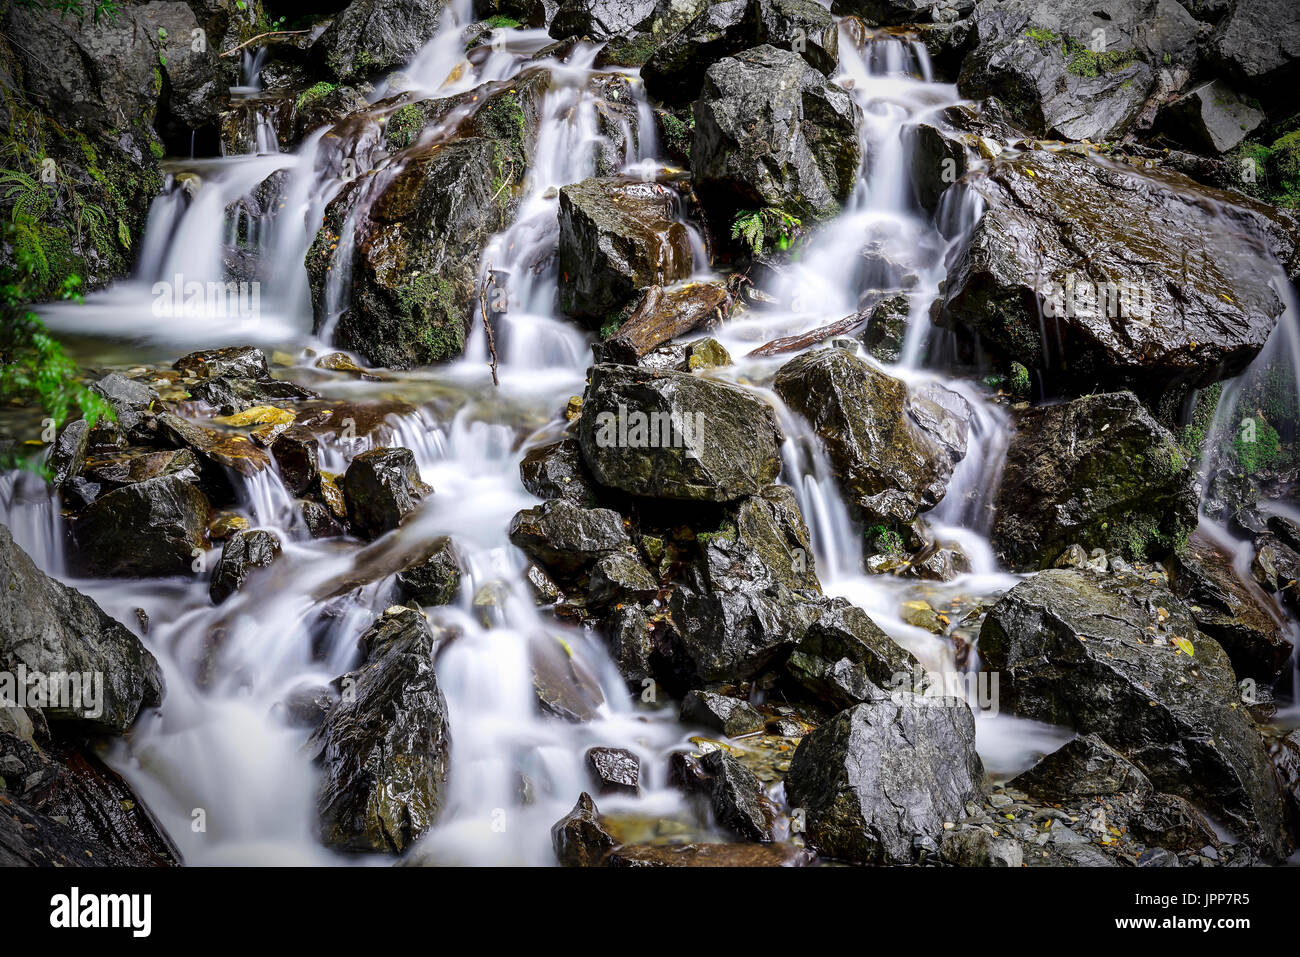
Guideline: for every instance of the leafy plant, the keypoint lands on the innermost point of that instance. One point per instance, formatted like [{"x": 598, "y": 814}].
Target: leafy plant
[
  {"x": 754, "y": 227},
  {"x": 99, "y": 9}
]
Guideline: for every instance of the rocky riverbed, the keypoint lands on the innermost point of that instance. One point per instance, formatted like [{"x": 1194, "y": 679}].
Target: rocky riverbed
[{"x": 637, "y": 433}]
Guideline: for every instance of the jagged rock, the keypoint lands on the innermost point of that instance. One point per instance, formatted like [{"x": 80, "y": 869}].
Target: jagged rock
[
  {"x": 1098, "y": 471},
  {"x": 49, "y": 628},
  {"x": 384, "y": 747},
  {"x": 675, "y": 73},
  {"x": 132, "y": 401},
  {"x": 737, "y": 799},
  {"x": 892, "y": 466},
  {"x": 566, "y": 538},
  {"x": 708, "y": 855},
  {"x": 601, "y": 19},
  {"x": 1256, "y": 45},
  {"x": 564, "y": 687},
  {"x": 118, "y": 470},
  {"x": 295, "y": 453},
  {"x": 720, "y": 712},
  {"x": 896, "y": 12},
  {"x": 230, "y": 395},
  {"x": 1084, "y": 767},
  {"x": 937, "y": 160},
  {"x": 1171, "y": 822},
  {"x": 1211, "y": 117},
  {"x": 436, "y": 579},
  {"x": 617, "y": 238},
  {"x": 579, "y": 838},
  {"x": 556, "y": 470},
  {"x": 844, "y": 659},
  {"x": 676, "y": 436},
  {"x": 1226, "y": 610},
  {"x": 369, "y": 37},
  {"x": 243, "y": 554},
  {"x": 614, "y": 770},
  {"x": 233, "y": 362},
  {"x": 881, "y": 774},
  {"x": 1112, "y": 298},
  {"x": 147, "y": 529},
  {"x": 1081, "y": 650},
  {"x": 382, "y": 487},
  {"x": 975, "y": 847},
  {"x": 227, "y": 449},
  {"x": 620, "y": 578},
  {"x": 771, "y": 131},
  {"x": 887, "y": 328}
]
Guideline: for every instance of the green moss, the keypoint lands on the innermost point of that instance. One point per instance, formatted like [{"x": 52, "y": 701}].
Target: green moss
[
  {"x": 1081, "y": 60},
  {"x": 677, "y": 133},
  {"x": 435, "y": 308},
  {"x": 314, "y": 93},
  {"x": 403, "y": 126},
  {"x": 498, "y": 22}
]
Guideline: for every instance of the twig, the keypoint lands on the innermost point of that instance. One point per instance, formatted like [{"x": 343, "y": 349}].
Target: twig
[
  {"x": 488, "y": 282},
  {"x": 271, "y": 33}
]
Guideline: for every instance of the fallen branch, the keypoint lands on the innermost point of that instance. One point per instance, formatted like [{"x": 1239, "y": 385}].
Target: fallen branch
[
  {"x": 489, "y": 281},
  {"x": 662, "y": 316},
  {"x": 272, "y": 33},
  {"x": 804, "y": 339}
]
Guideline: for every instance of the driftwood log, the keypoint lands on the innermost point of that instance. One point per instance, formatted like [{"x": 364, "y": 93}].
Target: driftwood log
[{"x": 663, "y": 315}]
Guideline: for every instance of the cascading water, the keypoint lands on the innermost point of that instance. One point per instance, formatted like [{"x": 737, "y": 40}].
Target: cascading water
[{"x": 219, "y": 749}]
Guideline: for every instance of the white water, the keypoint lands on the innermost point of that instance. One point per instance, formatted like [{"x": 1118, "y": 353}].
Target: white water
[{"x": 218, "y": 745}]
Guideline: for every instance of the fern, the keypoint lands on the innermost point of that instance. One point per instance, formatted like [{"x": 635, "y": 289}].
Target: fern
[{"x": 754, "y": 227}]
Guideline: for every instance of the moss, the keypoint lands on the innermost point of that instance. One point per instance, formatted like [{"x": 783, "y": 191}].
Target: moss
[
  {"x": 1081, "y": 60},
  {"x": 498, "y": 22},
  {"x": 404, "y": 126},
  {"x": 677, "y": 134},
  {"x": 632, "y": 50},
  {"x": 434, "y": 306},
  {"x": 314, "y": 93}
]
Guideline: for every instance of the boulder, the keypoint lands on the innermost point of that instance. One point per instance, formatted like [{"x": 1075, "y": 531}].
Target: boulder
[
  {"x": 1097, "y": 471},
  {"x": 556, "y": 470},
  {"x": 617, "y": 238},
  {"x": 579, "y": 838},
  {"x": 148, "y": 529},
  {"x": 614, "y": 770},
  {"x": 883, "y": 777},
  {"x": 719, "y": 712},
  {"x": 675, "y": 73},
  {"x": 566, "y": 538},
  {"x": 1211, "y": 117},
  {"x": 1082, "y": 768},
  {"x": 1258, "y": 45},
  {"x": 896, "y": 12},
  {"x": 773, "y": 132},
  {"x": 434, "y": 580},
  {"x": 1079, "y": 268},
  {"x": 844, "y": 659},
  {"x": 1098, "y": 654},
  {"x": 243, "y": 554},
  {"x": 737, "y": 799},
  {"x": 296, "y": 455},
  {"x": 384, "y": 747},
  {"x": 382, "y": 487},
  {"x": 676, "y": 436},
  {"x": 601, "y": 19},
  {"x": 226, "y": 449},
  {"x": 234, "y": 362},
  {"x": 51, "y": 629},
  {"x": 369, "y": 37},
  {"x": 890, "y": 464}
]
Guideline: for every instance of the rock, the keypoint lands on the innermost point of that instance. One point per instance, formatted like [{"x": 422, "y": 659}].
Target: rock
[
  {"x": 579, "y": 838},
  {"x": 737, "y": 799},
  {"x": 943, "y": 564},
  {"x": 1211, "y": 117},
  {"x": 319, "y": 520},
  {"x": 719, "y": 712},
  {"x": 148, "y": 529},
  {"x": 881, "y": 774},
  {"x": 661, "y": 316},
  {"x": 1168, "y": 821},
  {"x": 1089, "y": 301},
  {"x": 1082, "y": 768},
  {"x": 49, "y": 628},
  {"x": 132, "y": 401},
  {"x": 369, "y": 37},
  {"x": 896, "y": 12},
  {"x": 436, "y": 579},
  {"x": 234, "y": 362},
  {"x": 975, "y": 847},
  {"x": 676, "y": 436},
  {"x": 886, "y": 328},
  {"x": 937, "y": 160},
  {"x": 564, "y": 687},
  {"x": 617, "y": 238},
  {"x": 891, "y": 467},
  {"x": 566, "y": 538},
  {"x": 844, "y": 659},
  {"x": 675, "y": 73},
  {"x": 1098, "y": 471},
  {"x": 556, "y": 470},
  {"x": 614, "y": 770},
  {"x": 1080, "y": 650},
  {"x": 243, "y": 554},
  {"x": 1059, "y": 77},
  {"x": 708, "y": 855},
  {"x": 384, "y": 747},
  {"x": 128, "y": 468},
  {"x": 296, "y": 456},
  {"x": 307, "y": 707},
  {"x": 616, "y": 122},
  {"x": 629, "y": 632},
  {"x": 620, "y": 579},
  {"x": 230, "y": 395},
  {"x": 601, "y": 19},
  {"x": 68, "y": 454},
  {"x": 382, "y": 487},
  {"x": 1226, "y": 610},
  {"x": 1257, "y": 45},
  {"x": 226, "y": 449},
  {"x": 771, "y": 131}
]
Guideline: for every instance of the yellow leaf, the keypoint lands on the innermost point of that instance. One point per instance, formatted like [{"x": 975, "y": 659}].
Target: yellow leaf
[{"x": 1185, "y": 647}]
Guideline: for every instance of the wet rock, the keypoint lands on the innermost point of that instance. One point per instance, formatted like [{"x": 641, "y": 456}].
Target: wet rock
[
  {"x": 1084, "y": 767},
  {"x": 1098, "y": 471},
  {"x": 226, "y": 449},
  {"x": 131, "y": 467},
  {"x": 844, "y": 659},
  {"x": 937, "y": 160},
  {"x": 616, "y": 238},
  {"x": 319, "y": 520},
  {"x": 719, "y": 712},
  {"x": 579, "y": 838},
  {"x": 601, "y": 19},
  {"x": 1277, "y": 567},
  {"x": 1226, "y": 610},
  {"x": 1098, "y": 655},
  {"x": 384, "y": 747},
  {"x": 1211, "y": 118},
  {"x": 708, "y": 855},
  {"x": 566, "y": 538},
  {"x": 382, "y": 487},
  {"x": 942, "y": 564},
  {"x": 243, "y": 554},
  {"x": 661, "y": 316},
  {"x": 737, "y": 799},
  {"x": 614, "y": 770},
  {"x": 296, "y": 456},
  {"x": 675, "y": 73},
  {"x": 676, "y": 436},
  {"x": 1256, "y": 45},
  {"x": 975, "y": 847},
  {"x": 616, "y": 121},
  {"x": 148, "y": 529},
  {"x": 1060, "y": 78},
  {"x": 880, "y": 775},
  {"x": 556, "y": 470},
  {"x": 1113, "y": 300},
  {"x": 620, "y": 578},
  {"x": 68, "y": 454},
  {"x": 436, "y": 579},
  {"x": 49, "y": 628},
  {"x": 370, "y": 37},
  {"x": 629, "y": 631},
  {"x": 771, "y": 131},
  {"x": 564, "y": 687},
  {"x": 307, "y": 707},
  {"x": 1171, "y": 822},
  {"x": 230, "y": 395},
  {"x": 132, "y": 401},
  {"x": 232, "y": 362},
  {"x": 887, "y": 328},
  {"x": 892, "y": 467}
]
